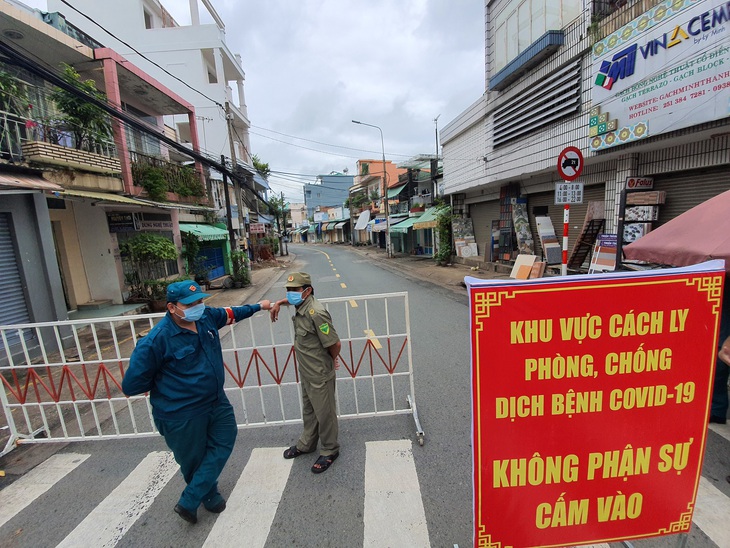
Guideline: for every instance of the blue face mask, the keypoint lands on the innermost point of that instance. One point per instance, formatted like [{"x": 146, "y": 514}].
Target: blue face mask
[
  {"x": 294, "y": 298},
  {"x": 194, "y": 313}
]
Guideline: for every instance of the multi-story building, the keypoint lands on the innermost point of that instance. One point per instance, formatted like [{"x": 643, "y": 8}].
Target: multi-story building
[
  {"x": 74, "y": 191},
  {"x": 636, "y": 86},
  {"x": 329, "y": 190},
  {"x": 195, "y": 62}
]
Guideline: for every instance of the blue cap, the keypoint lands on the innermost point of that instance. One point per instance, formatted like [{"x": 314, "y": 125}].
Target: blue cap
[{"x": 185, "y": 292}]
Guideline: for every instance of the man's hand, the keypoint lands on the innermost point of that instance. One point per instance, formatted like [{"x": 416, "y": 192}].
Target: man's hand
[
  {"x": 337, "y": 363},
  {"x": 265, "y": 304},
  {"x": 724, "y": 353},
  {"x": 274, "y": 312}
]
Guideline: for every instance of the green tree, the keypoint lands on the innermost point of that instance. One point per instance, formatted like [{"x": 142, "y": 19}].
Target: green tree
[
  {"x": 88, "y": 123},
  {"x": 261, "y": 167},
  {"x": 279, "y": 209}
]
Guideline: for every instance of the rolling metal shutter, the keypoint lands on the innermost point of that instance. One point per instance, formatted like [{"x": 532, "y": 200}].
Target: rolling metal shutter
[
  {"x": 14, "y": 309},
  {"x": 482, "y": 215},
  {"x": 688, "y": 189}
]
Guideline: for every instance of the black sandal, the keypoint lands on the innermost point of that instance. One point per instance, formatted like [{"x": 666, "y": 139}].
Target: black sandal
[
  {"x": 324, "y": 462},
  {"x": 294, "y": 452}
]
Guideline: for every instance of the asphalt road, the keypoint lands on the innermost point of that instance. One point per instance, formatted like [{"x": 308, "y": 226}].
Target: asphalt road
[{"x": 326, "y": 509}]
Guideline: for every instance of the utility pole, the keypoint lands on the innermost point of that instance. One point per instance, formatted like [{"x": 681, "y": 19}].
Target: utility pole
[
  {"x": 234, "y": 169},
  {"x": 282, "y": 228},
  {"x": 229, "y": 221},
  {"x": 435, "y": 164}
]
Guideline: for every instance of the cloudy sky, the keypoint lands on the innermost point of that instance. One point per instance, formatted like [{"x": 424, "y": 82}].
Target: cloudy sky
[{"x": 312, "y": 66}]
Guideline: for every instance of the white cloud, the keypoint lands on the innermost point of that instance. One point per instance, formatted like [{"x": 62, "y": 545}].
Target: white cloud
[{"x": 314, "y": 65}]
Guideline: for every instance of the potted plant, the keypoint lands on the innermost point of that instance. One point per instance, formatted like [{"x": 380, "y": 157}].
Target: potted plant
[
  {"x": 145, "y": 255},
  {"x": 156, "y": 292},
  {"x": 241, "y": 273}
]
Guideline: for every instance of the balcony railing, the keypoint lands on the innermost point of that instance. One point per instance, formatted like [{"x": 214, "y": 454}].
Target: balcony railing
[
  {"x": 182, "y": 180},
  {"x": 16, "y": 130}
]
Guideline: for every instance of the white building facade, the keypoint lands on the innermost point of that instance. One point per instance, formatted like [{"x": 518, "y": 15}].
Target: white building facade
[{"x": 637, "y": 89}]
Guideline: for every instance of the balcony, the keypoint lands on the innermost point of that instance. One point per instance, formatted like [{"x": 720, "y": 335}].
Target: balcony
[
  {"x": 52, "y": 144},
  {"x": 166, "y": 181}
]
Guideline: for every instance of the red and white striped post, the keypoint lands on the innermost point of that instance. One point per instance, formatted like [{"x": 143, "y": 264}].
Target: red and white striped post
[{"x": 566, "y": 222}]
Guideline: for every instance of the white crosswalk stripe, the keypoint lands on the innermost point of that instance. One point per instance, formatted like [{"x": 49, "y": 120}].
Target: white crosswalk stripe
[
  {"x": 107, "y": 523},
  {"x": 393, "y": 515},
  {"x": 21, "y": 493},
  {"x": 252, "y": 505}
]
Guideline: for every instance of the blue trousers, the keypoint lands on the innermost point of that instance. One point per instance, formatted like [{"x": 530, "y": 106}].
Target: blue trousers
[{"x": 201, "y": 447}]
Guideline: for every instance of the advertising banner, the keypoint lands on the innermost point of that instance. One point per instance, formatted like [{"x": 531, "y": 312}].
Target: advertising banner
[
  {"x": 590, "y": 402},
  {"x": 667, "y": 69}
]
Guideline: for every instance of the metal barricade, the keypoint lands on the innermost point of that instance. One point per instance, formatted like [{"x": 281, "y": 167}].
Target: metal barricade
[{"x": 62, "y": 380}]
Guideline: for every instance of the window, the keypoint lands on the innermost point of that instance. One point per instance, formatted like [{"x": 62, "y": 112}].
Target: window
[
  {"x": 148, "y": 20},
  {"x": 521, "y": 22}
]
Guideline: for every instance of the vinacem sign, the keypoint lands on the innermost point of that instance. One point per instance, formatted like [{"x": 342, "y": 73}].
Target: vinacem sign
[
  {"x": 667, "y": 69},
  {"x": 590, "y": 402}
]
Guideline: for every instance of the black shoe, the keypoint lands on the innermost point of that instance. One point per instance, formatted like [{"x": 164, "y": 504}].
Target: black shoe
[
  {"x": 218, "y": 508},
  {"x": 186, "y": 514},
  {"x": 717, "y": 420}
]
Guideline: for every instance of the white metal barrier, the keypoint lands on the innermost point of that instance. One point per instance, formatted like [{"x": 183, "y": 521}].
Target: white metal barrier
[{"x": 62, "y": 380}]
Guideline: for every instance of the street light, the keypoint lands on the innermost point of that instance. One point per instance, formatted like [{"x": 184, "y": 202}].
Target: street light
[{"x": 385, "y": 185}]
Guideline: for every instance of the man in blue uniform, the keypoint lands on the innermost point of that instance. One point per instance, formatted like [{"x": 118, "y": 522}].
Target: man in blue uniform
[{"x": 180, "y": 363}]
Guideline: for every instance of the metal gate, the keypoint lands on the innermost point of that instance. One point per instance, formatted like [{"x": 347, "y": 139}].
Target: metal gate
[{"x": 64, "y": 383}]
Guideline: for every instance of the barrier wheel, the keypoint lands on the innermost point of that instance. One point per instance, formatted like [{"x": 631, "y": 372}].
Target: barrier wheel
[{"x": 420, "y": 441}]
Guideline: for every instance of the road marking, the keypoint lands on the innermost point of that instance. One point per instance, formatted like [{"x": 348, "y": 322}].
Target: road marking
[
  {"x": 22, "y": 492},
  {"x": 722, "y": 429},
  {"x": 251, "y": 508},
  {"x": 394, "y": 514},
  {"x": 711, "y": 511},
  {"x": 337, "y": 275},
  {"x": 353, "y": 304},
  {"x": 110, "y": 520},
  {"x": 370, "y": 334},
  {"x": 342, "y": 285}
]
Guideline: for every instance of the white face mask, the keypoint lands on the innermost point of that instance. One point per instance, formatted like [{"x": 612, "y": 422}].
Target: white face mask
[{"x": 192, "y": 314}]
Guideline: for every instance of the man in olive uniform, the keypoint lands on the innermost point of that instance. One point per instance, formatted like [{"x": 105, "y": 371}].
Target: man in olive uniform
[{"x": 317, "y": 347}]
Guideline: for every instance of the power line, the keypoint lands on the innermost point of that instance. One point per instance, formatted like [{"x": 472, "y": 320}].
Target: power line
[{"x": 141, "y": 54}]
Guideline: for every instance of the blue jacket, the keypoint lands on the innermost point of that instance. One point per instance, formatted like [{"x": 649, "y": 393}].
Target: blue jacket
[{"x": 182, "y": 370}]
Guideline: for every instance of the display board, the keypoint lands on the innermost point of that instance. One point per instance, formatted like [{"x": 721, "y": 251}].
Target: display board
[{"x": 590, "y": 399}]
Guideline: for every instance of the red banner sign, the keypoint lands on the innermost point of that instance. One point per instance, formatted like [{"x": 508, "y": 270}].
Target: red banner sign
[{"x": 590, "y": 404}]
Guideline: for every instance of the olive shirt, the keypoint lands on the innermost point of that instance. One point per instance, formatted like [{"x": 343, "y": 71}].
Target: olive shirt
[{"x": 314, "y": 335}]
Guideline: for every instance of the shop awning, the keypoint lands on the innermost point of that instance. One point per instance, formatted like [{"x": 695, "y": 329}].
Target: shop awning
[
  {"x": 101, "y": 197},
  {"x": 362, "y": 220},
  {"x": 403, "y": 226},
  {"x": 176, "y": 205},
  {"x": 312, "y": 229},
  {"x": 30, "y": 182},
  {"x": 378, "y": 225},
  {"x": 393, "y": 192},
  {"x": 331, "y": 225},
  {"x": 340, "y": 225},
  {"x": 204, "y": 232},
  {"x": 324, "y": 226},
  {"x": 427, "y": 220}
]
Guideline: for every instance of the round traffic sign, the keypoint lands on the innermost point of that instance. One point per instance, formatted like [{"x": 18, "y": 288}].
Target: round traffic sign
[{"x": 570, "y": 163}]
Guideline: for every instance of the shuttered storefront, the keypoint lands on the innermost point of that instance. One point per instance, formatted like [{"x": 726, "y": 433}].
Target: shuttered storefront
[
  {"x": 688, "y": 189},
  {"x": 482, "y": 214},
  {"x": 14, "y": 309},
  {"x": 543, "y": 200}
]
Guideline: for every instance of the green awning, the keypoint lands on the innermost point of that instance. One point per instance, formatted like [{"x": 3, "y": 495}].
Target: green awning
[
  {"x": 403, "y": 226},
  {"x": 204, "y": 232},
  {"x": 393, "y": 192},
  {"x": 312, "y": 229},
  {"x": 427, "y": 220}
]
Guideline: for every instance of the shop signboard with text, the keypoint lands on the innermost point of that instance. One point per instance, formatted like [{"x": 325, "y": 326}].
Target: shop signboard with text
[
  {"x": 590, "y": 399},
  {"x": 667, "y": 69}
]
